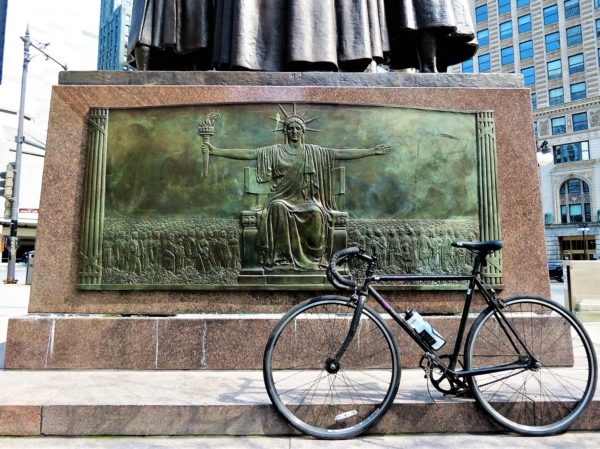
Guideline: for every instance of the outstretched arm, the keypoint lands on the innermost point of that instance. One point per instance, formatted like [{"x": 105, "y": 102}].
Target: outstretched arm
[
  {"x": 231, "y": 153},
  {"x": 357, "y": 153}
]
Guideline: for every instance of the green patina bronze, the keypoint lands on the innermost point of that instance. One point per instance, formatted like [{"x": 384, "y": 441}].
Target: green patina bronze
[{"x": 260, "y": 195}]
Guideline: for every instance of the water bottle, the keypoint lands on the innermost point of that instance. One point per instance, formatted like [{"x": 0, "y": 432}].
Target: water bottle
[{"x": 424, "y": 329}]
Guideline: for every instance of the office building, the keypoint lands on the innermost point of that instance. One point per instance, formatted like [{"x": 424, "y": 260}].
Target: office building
[
  {"x": 554, "y": 45},
  {"x": 115, "y": 19}
]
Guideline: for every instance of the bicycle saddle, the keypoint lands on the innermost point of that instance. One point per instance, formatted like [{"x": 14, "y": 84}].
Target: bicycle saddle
[{"x": 480, "y": 247}]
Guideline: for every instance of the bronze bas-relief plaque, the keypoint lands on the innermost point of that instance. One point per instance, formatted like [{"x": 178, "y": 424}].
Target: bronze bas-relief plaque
[{"x": 260, "y": 195}]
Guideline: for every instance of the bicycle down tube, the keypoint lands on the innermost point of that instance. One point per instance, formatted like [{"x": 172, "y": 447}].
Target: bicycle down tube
[{"x": 473, "y": 283}]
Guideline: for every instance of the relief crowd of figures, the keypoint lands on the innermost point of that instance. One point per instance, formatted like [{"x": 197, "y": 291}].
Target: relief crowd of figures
[
  {"x": 415, "y": 246},
  {"x": 207, "y": 250},
  {"x": 171, "y": 251}
]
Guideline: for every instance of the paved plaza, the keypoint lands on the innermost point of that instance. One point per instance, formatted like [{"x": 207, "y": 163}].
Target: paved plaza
[{"x": 13, "y": 302}]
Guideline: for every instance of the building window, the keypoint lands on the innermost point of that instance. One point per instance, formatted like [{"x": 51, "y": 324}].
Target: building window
[
  {"x": 578, "y": 91},
  {"x": 506, "y": 30},
  {"x": 580, "y": 121},
  {"x": 575, "y": 205},
  {"x": 574, "y": 36},
  {"x": 524, "y": 23},
  {"x": 481, "y": 14},
  {"x": 597, "y": 4},
  {"x": 554, "y": 69},
  {"x": 503, "y": 6},
  {"x": 597, "y": 28},
  {"x": 556, "y": 96},
  {"x": 571, "y": 8},
  {"x": 559, "y": 125},
  {"x": 571, "y": 152},
  {"x": 528, "y": 76},
  {"x": 467, "y": 66},
  {"x": 522, "y": 3},
  {"x": 483, "y": 37},
  {"x": 550, "y": 15},
  {"x": 526, "y": 50},
  {"x": 534, "y": 101},
  {"x": 484, "y": 63},
  {"x": 552, "y": 42},
  {"x": 507, "y": 55},
  {"x": 576, "y": 63}
]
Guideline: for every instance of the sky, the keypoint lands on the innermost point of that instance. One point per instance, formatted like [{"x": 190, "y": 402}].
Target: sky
[{"x": 71, "y": 29}]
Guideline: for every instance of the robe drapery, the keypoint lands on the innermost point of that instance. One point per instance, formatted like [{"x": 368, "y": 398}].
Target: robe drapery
[
  {"x": 290, "y": 35},
  {"x": 451, "y": 21},
  {"x": 178, "y": 33},
  {"x": 284, "y": 35},
  {"x": 295, "y": 226}
]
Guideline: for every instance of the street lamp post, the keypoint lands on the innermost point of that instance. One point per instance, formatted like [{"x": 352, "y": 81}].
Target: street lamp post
[{"x": 20, "y": 139}]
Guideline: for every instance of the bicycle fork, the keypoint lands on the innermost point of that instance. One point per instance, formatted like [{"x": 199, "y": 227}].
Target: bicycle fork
[{"x": 332, "y": 364}]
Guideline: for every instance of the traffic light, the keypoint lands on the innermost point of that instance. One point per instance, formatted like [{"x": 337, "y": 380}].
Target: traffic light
[{"x": 7, "y": 183}]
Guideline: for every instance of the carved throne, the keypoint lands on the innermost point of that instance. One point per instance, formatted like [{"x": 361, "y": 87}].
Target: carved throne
[{"x": 252, "y": 271}]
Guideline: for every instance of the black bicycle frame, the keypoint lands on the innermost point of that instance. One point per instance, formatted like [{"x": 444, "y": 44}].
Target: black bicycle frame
[{"x": 474, "y": 282}]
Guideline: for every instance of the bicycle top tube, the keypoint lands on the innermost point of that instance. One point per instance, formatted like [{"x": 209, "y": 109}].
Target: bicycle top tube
[{"x": 480, "y": 249}]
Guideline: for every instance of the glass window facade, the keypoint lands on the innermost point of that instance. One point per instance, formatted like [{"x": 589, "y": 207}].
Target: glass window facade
[
  {"x": 526, "y": 50},
  {"x": 576, "y": 64},
  {"x": 574, "y": 36},
  {"x": 507, "y": 55},
  {"x": 506, "y": 30},
  {"x": 483, "y": 37},
  {"x": 550, "y": 15},
  {"x": 485, "y": 63},
  {"x": 571, "y": 152},
  {"x": 556, "y": 96},
  {"x": 534, "y": 101},
  {"x": 503, "y": 6},
  {"x": 559, "y": 125},
  {"x": 528, "y": 76},
  {"x": 481, "y": 14},
  {"x": 575, "y": 204},
  {"x": 580, "y": 121},
  {"x": 552, "y": 42},
  {"x": 524, "y": 23},
  {"x": 522, "y": 3},
  {"x": 571, "y": 8},
  {"x": 467, "y": 66},
  {"x": 554, "y": 69},
  {"x": 578, "y": 91}
]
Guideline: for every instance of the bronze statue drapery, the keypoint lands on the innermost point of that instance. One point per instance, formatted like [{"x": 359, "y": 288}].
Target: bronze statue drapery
[{"x": 300, "y": 35}]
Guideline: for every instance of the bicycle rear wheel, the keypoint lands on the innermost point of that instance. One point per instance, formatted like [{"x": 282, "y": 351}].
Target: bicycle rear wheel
[
  {"x": 555, "y": 389},
  {"x": 331, "y": 404}
]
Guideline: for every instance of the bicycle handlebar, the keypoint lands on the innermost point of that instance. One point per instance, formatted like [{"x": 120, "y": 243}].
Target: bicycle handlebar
[{"x": 340, "y": 257}]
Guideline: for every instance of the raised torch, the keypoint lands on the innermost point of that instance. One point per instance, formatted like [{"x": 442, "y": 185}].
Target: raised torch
[{"x": 206, "y": 130}]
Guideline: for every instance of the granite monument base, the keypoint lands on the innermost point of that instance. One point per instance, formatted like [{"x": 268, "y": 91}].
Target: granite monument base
[{"x": 132, "y": 326}]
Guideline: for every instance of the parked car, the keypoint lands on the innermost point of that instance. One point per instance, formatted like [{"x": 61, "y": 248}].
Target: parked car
[{"x": 555, "y": 269}]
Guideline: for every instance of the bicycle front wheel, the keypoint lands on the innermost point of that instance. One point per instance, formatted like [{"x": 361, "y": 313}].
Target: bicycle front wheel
[
  {"x": 558, "y": 383},
  {"x": 316, "y": 399}
]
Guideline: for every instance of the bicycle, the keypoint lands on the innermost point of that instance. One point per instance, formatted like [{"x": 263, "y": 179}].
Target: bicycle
[{"x": 332, "y": 366}]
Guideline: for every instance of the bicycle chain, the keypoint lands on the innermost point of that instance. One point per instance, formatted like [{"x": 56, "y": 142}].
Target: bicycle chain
[{"x": 502, "y": 378}]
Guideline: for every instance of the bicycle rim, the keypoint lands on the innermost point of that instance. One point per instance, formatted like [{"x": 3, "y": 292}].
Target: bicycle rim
[
  {"x": 323, "y": 404},
  {"x": 543, "y": 399}
]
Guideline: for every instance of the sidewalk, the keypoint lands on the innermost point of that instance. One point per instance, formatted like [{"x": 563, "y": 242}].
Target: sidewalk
[{"x": 13, "y": 301}]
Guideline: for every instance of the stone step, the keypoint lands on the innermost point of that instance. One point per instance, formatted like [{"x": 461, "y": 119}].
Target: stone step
[
  {"x": 589, "y": 305},
  {"x": 96, "y": 402}
]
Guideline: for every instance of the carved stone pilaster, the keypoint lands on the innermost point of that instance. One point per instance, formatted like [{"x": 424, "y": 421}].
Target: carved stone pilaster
[
  {"x": 94, "y": 192},
  {"x": 489, "y": 215}
]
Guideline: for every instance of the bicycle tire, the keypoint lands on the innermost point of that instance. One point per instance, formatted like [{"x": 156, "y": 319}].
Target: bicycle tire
[
  {"x": 548, "y": 398},
  {"x": 331, "y": 405}
]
